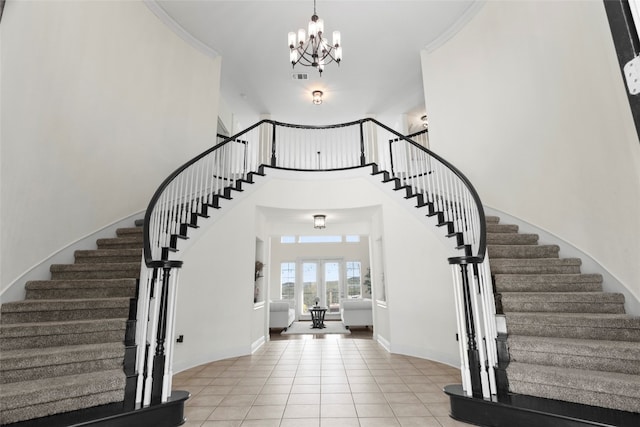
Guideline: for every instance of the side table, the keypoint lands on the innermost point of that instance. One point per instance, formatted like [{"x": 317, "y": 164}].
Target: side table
[{"x": 317, "y": 317}]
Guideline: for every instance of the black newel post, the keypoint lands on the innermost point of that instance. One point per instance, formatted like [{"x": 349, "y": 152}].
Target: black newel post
[
  {"x": 273, "y": 146},
  {"x": 159, "y": 357},
  {"x": 363, "y": 159},
  {"x": 472, "y": 348}
]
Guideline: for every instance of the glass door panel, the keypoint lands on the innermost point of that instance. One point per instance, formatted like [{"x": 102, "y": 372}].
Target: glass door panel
[
  {"x": 331, "y": 284},
  {"x": 321, "y": 281},
  {"x": 309, "y": 285}
]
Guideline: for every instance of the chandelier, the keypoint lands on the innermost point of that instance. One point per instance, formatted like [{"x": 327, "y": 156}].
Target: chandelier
[{"x": 314, "y": 51}]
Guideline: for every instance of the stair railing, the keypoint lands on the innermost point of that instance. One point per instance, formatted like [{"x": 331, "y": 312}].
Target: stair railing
[{"x": 203, "y": 184}]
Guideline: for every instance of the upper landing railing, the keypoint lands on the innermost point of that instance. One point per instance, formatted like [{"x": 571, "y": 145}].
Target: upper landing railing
[
  {"x": 193, "y": 189},
  {"x": 310, "y": 148}
]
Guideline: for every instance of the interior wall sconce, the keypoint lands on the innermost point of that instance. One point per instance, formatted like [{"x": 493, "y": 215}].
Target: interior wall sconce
[
  {"x": 319, "y": 221},
  {"x": 317, "y": 97}
]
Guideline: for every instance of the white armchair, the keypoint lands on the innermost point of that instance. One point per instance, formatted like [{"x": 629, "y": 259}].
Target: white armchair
[
  {"x": 281, "y": 315},
  {"x": 356, "y": 312}
]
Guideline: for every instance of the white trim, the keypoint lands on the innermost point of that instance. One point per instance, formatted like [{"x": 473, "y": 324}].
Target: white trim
[
  {"x": 384, "y": 343},
  {"x": 258, "y": 305},
  {"x": 463, "y": 20},
  {"x": 179, "y": 29},
  {"x": 15, "y": 291},
  {"x": 257, "y": 344}
]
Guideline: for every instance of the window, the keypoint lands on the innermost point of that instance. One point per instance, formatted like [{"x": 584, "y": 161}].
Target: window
[
  {"x": 354, "y": 279},
  {"x": 320, "y": 239},
  {"x": 287, "y": 239},
  {"x": 352, "y": 239},
  {"x": 287, "y": 280}
]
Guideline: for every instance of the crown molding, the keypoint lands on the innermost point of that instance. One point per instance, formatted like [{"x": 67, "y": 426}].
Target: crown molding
[
  {"x": 463, "y": 20},
  {"x": 179, "y": 29}
]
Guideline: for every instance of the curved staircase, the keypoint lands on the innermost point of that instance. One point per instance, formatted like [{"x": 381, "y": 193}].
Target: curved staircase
[
  {"x": 65, "y": 354},
  {"x": 568, "y": 344}
]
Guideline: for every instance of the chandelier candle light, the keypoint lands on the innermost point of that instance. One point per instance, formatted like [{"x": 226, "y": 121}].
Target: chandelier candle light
[{"x": 314, "y": 51}]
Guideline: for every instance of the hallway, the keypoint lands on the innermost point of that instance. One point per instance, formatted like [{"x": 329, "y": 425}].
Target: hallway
[{"x": 319, "y": 381}]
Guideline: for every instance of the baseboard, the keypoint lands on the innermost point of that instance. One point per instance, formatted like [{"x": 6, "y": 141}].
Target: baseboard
[
  {"x": 257, "y": 344},
  {"x": 529, "y": 411},
  {"x": 384, "y": 343}
]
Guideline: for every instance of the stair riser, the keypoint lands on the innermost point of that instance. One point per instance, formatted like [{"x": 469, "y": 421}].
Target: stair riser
[
  {"x": 611, "y": 333},
  {"x": 81, "y": 293},
  {"x": 541, "y": 307},
  {"x": 548, "y": 287},
  {"x": 501, "y": 228},
  {"x": 136, "y": 245},
  {"x": 96, "y": 274},
  {"x": 14, "y": 343},
  {"x": 549, "y": 269},
  {"x": 522, "y": 251},
  {"x": 603, "y": 362},
  {"x": 511, "y": 239},
  {"x": 84, "y": 259},
  {"x": 130, "y": 232},
  {"x": 64, "y": 315},
  {"x": 36, "y": 373},
  {"x": 623, "y": 403},
  {"x": 548, "y": 283}
]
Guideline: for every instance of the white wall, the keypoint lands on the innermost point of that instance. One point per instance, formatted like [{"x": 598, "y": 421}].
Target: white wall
[
  {"x": 100, "y": 102},
  {"x": 215, "y": 303},
  {"x": 527, "y": 100}
]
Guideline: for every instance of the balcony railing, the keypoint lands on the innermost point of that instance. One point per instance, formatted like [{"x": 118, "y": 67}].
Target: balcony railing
[{"x": 196, "y": 187}]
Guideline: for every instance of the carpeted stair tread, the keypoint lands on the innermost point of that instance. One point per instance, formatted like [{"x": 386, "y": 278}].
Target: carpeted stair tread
[
  {"x": 108, "y": 255},
  {"x": 54, "y": 310},
  {"x": 605, "y": 389},
  {"x": 54, "y": 334},
  {"x": 82, "y": 288},
  {"x": 569, "y": 302},
  {"x": 39, "y": 398},
  {"x": 599, "y": 355},
  {"x": 95, "y": 271},
  {"x": 523, "y": 251},
  {"x": 491, "y": 219},
  {"x": 536, "y": 266},
  {"x": 501, "y": 228},
  {"x": 129, "y": 231},
  {"x": 548, "y": 282},
  {"x": 512, "y": 239},
  {"x": 615, "y": 327},
  {"x": 129, "y": 242},
  {"x": 35, "y": 363}
]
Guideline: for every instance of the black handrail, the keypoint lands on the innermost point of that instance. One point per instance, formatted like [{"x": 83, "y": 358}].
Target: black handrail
[{"x": 474, "y": 259}]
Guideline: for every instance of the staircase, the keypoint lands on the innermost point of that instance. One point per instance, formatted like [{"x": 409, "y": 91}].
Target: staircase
[
  {"x": 63, "y": 347},
  {"x": 567, "y": 339}
]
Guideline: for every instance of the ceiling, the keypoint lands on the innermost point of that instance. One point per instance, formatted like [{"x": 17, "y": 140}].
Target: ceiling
[{"x": 380, "y": 73}]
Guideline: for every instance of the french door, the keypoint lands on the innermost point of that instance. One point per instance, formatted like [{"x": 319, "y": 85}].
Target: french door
[{"x": 322, "y": 282}]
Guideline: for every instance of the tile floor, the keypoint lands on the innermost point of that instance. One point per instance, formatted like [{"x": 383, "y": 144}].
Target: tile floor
[{"x": 318, "y": 381}]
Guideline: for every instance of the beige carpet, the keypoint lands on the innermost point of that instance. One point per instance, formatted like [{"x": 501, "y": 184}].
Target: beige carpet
[{"x": 300, "y": 328}]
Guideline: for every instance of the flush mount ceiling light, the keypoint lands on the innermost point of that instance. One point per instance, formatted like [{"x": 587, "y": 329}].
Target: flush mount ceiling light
[
  {"x": 319, "y": 221},
  {"x": 317, "y": 97},
  {"x": 314, "y": 51}
]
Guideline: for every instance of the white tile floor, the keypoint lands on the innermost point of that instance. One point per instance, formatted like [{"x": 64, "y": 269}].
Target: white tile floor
[{"x": 313, "y": 381}]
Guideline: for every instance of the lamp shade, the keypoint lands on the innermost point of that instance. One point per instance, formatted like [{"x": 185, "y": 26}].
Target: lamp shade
[{"x": 319, "y": 221}]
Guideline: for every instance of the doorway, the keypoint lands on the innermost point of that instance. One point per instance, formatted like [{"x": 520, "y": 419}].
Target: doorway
[{"x": 321, "y": 282}]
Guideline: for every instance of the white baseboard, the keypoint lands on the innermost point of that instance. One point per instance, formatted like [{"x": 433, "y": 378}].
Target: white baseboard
[
  {"x": 257, "y": 344},
  {"x": 384, "y": 343}
]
